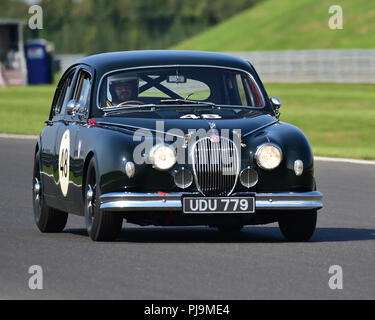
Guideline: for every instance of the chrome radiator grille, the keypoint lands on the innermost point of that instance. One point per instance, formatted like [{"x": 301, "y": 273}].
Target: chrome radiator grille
[{"x": 215, "y": 165}]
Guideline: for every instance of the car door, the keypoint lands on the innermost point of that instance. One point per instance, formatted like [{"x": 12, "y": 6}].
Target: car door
[
  {"x": 50, "y": 139},
  {"x": 77, "y": 123}
]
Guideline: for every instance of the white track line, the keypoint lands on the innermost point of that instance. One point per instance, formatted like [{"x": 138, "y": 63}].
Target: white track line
[
  {"x": 354, "y": 161},
  {"x": 323, "y": 159},
  {"x": 18, "y": 136}
]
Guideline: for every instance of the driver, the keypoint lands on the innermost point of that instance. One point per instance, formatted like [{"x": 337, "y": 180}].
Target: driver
[{"x": 122, "y": 89}]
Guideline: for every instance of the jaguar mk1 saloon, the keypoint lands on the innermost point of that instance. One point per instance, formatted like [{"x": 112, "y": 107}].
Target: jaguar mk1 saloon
[{"x": 171, "y": 138}]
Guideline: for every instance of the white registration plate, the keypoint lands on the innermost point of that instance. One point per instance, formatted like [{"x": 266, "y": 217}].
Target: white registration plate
[{"x": 193, "y": 205}]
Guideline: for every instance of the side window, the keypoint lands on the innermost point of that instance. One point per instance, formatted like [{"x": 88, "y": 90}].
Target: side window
[
  {"x": 63, "y": 94},
  {"x": 255, "y": 96},
  {"x": 83, "y": 89}
]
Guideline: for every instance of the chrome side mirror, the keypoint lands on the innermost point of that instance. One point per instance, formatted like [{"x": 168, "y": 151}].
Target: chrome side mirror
[
  {"x": 72, "y": 107},
  {"x": 276, "y": 104}
]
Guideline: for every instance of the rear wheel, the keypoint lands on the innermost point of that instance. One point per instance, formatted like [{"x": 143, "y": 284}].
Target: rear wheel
[
  {"x": 298, "y": 226},
  {"x": 101, "y": 225},
  {"x": 46, "y": 218}
]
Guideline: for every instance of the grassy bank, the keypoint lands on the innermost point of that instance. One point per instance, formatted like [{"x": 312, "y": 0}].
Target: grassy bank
[
  {"x": 290, "y": 25},
  {"x": 338, "y": 119}
]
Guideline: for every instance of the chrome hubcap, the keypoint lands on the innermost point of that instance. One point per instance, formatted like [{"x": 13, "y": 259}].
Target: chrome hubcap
[
  {"x": 37, "y": 202},
  {"x": 90, "y": 203},
  {"x": 90, "y": 194},
  {"x": 36, "y": 189}
]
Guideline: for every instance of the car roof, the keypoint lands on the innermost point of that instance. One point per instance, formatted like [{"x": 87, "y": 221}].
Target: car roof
[{"x": 106, "y": 62}]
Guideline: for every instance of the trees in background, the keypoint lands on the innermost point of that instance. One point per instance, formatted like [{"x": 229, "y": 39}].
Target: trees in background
[{"x": 92, "y": 26}]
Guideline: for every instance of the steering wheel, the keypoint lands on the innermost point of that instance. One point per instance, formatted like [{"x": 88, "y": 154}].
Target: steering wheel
[{"x": 130, "y": 102}]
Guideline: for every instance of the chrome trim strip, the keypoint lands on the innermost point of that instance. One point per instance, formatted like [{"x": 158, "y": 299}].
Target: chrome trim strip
[
  {"x": 289, "y": 201},
  {"x": 127, "y": 201},
  {"x": 176, "y": 66}
]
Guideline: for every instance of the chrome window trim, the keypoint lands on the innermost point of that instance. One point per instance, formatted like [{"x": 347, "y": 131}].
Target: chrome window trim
[
  {"x": 79, "y": 69},
  {"x": 176, "y": 66},
  {"x": 71, "y": 70}
]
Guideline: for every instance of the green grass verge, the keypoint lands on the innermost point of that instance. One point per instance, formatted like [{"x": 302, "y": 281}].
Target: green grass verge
[
  {"x": 23, "y": 109},
  {"x": 290, "y": 25},
  {"x": 338, "y": 119}
]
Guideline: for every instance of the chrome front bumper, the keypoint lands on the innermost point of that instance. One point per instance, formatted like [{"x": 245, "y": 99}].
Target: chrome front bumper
[{"x": 126, "y": 201}]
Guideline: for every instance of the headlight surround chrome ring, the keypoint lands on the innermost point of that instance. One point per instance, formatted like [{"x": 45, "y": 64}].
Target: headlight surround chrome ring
[
  {"x": 268, "y": 156},
  {"x": 163, "y": 157}
]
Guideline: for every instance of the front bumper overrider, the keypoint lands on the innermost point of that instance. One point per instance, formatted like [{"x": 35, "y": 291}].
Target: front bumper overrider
[{"x": 130, "y": 202}]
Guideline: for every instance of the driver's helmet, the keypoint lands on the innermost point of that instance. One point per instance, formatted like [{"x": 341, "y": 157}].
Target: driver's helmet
[{"x": 119, "y": 79}]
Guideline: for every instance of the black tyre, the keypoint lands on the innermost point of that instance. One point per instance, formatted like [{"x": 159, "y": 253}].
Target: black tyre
[
  {"x": 46, "y": 218},
  {"x": 298, "y": 226},
  {"x": 101, "y": 225},
  {"x": 230, "y": 228}
]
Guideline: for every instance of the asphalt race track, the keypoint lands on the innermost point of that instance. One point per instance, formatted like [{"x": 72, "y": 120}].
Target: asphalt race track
[{"x": 189, "y": 263}]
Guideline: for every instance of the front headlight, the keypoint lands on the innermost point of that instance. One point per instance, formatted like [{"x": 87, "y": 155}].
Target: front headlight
[
  {"x": 268, "y": 156},
  {"x": 163, "y": 157}
]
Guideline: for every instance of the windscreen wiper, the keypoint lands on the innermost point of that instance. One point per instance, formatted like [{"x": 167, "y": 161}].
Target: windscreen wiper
[
  {"x": 186, "y": 101},
  {"x": 170, "y": 103},
  {"x": 195, "y": 103},
  {"x": 115, "y": 109}
]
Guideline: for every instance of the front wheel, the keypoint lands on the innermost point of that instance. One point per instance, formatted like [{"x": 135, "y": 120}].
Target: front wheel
[
  {"x": 298, "y": 226},
  {"x": 101, "y": 226},
  {"x": 46, "y": 218}
]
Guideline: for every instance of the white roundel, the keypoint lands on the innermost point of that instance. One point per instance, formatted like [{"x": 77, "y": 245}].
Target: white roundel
[{"x": 64, "y": 162}]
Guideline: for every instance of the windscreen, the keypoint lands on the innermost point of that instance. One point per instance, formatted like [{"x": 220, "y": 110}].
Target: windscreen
[{"x": 158, "y": 85}]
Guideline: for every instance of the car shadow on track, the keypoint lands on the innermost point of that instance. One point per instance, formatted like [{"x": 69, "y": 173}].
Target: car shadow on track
[{"x": 248, "y": 234}]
